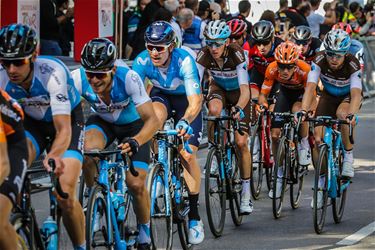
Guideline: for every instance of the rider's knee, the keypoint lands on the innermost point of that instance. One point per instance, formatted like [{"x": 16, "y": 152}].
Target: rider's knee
[
  {"x": 136, "y": 186},
  {"x": 275, "y": 134},
  {"x": 214, "y": 110},
  {"x": 318, "y": 140},
  {"x": 189, "y": 158},
  {"x": 341, "y": 114},
  {"x": 67, "y": 205},
  {"x": 241, "y": 143}
]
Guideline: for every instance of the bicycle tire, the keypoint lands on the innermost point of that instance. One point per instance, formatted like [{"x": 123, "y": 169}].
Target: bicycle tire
[
  {"x": 296, "y": 192},
  {"x": 338, "y": 203},
  {"x": 235, "y": 189},
  {"x": 256, "y": 164},
  {"x": 24, "y": 231},
  {"x": 320, "y": 213},
  {"x": 183, "y": 225},
  {"x": 268, "y": 172},
  {"x": 97, "y": 204},
  {"x": 215, "y": 227},
  {"x": 81, "y": 189},
  {"x": 159, "y": 222},
  {"x": 281, "y": 161}
]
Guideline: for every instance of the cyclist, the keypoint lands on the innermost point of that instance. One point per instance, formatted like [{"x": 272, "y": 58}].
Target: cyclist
[
  {"x": 238, "y": 32},
  {"x": 308, "y": 44},
  {"x": 13, "y": 164},
  {"x": 340, "y": 74},
  {"x": 291, "y": 73},
  {"x": 53, "y": 114},
  {"x": 123, "y": 111},
  {"x": 261, "y": 50},
  {"x": 230, "y": 86},
  {"x": 176, "y": 86}
]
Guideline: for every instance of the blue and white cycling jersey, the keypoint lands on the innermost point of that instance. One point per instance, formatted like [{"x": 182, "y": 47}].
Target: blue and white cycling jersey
[
  {"x": 181, "y": 76},
  {"x": 51, "y": 93},
  {"x": 127, "y": 93}
]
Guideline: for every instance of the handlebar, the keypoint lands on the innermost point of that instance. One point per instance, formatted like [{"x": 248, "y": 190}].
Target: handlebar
[
  {"x": 173, "y": 132},
  {"x": 226, "y": 118},
  {"x": 55, "y": 180}
]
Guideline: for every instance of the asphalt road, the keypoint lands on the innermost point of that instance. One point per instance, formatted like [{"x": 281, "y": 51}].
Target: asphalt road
[{"x": 294, "y": 230}]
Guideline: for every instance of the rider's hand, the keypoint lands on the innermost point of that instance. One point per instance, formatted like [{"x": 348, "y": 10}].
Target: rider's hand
[
  {"x": 129, "y": 146},
  {"x": 300, "y": 114},
  {"x": 59, "y": 170},
  {"x": 183, "y": 128},
  {"x": 352, "y": 119},
  {"x": 262, "y": 107},
  {"x": 237, "y": 113}
]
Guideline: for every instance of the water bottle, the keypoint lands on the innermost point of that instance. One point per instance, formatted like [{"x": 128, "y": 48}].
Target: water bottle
[
  {"x": 49, "y": 230},
  {"x": 178, "y": 191},
  {"x": 121, "y": 206},
  {"x": 114, "y": 200}
]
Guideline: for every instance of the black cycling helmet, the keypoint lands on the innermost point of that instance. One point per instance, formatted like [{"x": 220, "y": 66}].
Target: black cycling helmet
[
  {"x": 302, "y": 33},
  {"x": 160, "y": 32},
  {"x": 98, "y": 54},
  {"x": 262, "y": 31},
  {"x": 17, "y": 41}
]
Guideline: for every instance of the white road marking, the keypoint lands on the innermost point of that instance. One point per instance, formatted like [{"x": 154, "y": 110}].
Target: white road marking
[{"x": 359, "y": 235}]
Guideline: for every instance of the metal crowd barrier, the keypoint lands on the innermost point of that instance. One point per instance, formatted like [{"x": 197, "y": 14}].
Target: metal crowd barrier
[{"x": 368, "y": 79}]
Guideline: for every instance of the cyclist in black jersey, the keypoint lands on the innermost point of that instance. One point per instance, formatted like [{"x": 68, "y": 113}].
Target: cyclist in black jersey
[{"x": 309, "y": 45}]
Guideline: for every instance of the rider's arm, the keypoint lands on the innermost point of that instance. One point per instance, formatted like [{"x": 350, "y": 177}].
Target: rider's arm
[
  {"x": 355, "y": 92},
  {"x": 62, "y": 124},
  {"x": 312, "y": 81},
  {"x": 4, "y": 160},
  {"x": 135, "y": 88},
  {"x": 243, "y": 80}
]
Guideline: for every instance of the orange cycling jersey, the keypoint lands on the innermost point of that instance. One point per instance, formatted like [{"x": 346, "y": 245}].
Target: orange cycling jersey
[
  {"x": 2, "y": 131},
  {"x": 297, "y": 81},
  {"x": 12, "y": 116}
]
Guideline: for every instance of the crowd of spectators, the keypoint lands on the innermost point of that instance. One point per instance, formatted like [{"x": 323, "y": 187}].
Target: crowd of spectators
[{"x": 189, "y": 17}]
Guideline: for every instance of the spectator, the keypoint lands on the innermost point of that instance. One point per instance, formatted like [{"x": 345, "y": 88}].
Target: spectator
[
  {"x": 193, "y": 36},
  {"x": 305, "y": 9},
  {"x": 369, "y": 28},
  {"x": 148, "y": 16},
  {"x": 50, "y": 27},
  {"x": 204, "y": 11},
  {"x": 315, "y": 19},
  {"x": 182, "y": 4},
  {"x": 223, "y": 6},
  {"x": 295, "y": 16},
  {"x": 361, "y": 21},
  {"x": 216, "y": 10},
  {"x": 173, "y": 7},
  {"x": 281, "y": 20},
  {"x": 66, "y": 28},
  {"x": 244, "y": 8},
  {"x": 268, "y": 15},
  {"x": 185, "y": 18}
]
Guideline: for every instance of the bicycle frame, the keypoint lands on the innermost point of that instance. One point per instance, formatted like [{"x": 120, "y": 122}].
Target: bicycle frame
[{"x": 264, "y": 121}]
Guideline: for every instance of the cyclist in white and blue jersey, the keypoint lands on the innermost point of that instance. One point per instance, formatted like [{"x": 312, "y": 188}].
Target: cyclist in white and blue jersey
[
  {"x": 44, "y": 87},
  {"x": 122, "y": 111},
  {"x": 176, "y": 86},
  {"x": 230, "y": 87}
]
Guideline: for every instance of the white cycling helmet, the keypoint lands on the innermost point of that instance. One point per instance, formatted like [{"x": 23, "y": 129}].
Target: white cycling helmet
[
  {"x": 337, "y": 41},
  {"x": 217, "y": 30}
]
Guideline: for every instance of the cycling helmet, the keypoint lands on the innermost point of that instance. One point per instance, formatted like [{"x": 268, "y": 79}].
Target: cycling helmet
[
  {"x": 287, "y": 53},
  {"x": 237, "y": 27},
  {"x": 302, "y": 33},
  {"x": 98, "y": 54},
  {"x": 17, "y": 41},
  {"x": 343, "y": 26},
  {"x": 262, "y": 31},
  {"x": 160, "y": 32},
  {"x": 217, "y": 30},
  {"x": 337, "y": 41}
]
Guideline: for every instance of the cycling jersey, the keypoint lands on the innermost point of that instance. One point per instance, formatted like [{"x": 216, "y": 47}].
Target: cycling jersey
[
  {"x": 234, "y": 70},
  {"x": 336, "y": 82},
  {"x": 181, "y": 76},
  {"x": 49, "y": 94},
  {"x": 127, "y": 93},
  {"x": 2, "y": 131},
  {"x": 297, "y": 81},
  {"x": 12, "y": 116},
  {"x": 314, "y": 48},
  {"x": 256, "y": 59}
]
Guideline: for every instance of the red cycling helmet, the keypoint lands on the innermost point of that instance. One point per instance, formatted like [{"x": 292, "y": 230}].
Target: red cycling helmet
[
  {"x": 237, "y": 27},
  {"x": 343, "y": 26}
]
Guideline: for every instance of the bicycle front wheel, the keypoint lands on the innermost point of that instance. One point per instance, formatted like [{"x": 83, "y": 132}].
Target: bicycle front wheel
[
  {"x": 183, "y": 221},
  {"x": 257, "y": 163},
  {"x": 161, "y": 218},
  {"x": 338, "y": 203},
  {"x": 279, "y": 178},
  {"x": 24, "y": 232},
  {"x": 320, "y": 190},
  {"x": 215, "y": 195},
  {"x": 236, "y": 189},
  {"x": 296, "y": 188},
  {"x": 98, "y": 231}
]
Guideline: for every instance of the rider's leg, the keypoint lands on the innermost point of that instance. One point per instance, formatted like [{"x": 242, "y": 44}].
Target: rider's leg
[
  {"x": 215, "y": 106},
  {"x": 304, "y": 154},
  {"x": 8, "y": 236}
]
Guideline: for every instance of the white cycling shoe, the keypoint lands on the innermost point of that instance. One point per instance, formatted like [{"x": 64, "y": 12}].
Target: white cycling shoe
[
  {"x": 320, "y": 200},
  {"x": 347, "y": 169},
  {"x": 246, "y": 207},
  {"x": 196, "y": 232},
  {"x": 279, "y": 184}
]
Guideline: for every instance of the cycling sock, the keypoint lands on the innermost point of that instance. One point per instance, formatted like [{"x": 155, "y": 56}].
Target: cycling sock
[
  {"x": 280, "y": 172},
  {"x": 80, "y": 247},
  {"x": 245, "y": 194},
  {"x": 305, "y": 143},
  {"x": 348, "y": 157},
  {"x": 322, "y": 181},
  {"x": 193, "y": 204},
  {"x": 144, "y": 233}
]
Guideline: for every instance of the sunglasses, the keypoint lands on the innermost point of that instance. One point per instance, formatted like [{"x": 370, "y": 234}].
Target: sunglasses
[
  {"x": 16, "y": 62},
  {"x": 158, "y": 48},
  {"x": 215, "y": 43},
  {"x": 100, "y": 75},
  {"x": 304, "y": 43},
  {"x": 335, "y": 55},
  {"x": 282, "y": 66},
  {"x": 265, "y": 43}
]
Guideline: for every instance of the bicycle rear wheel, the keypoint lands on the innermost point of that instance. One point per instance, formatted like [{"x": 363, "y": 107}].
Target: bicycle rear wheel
[
  {"x": 296, "y": 188},
  {"x": 161, "y": 222},
  {"x": 338, "y": 203},
  {"x": 280, "y": 181},
  {"x": 236, "y": 189},
  {"x": 257, "y": 163},
  {"x": 98, "y": 231},
  {"x": 215, "y": 195},
  {"x": 24, "y": 232},
  {"x": 320, "y": 191}
]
